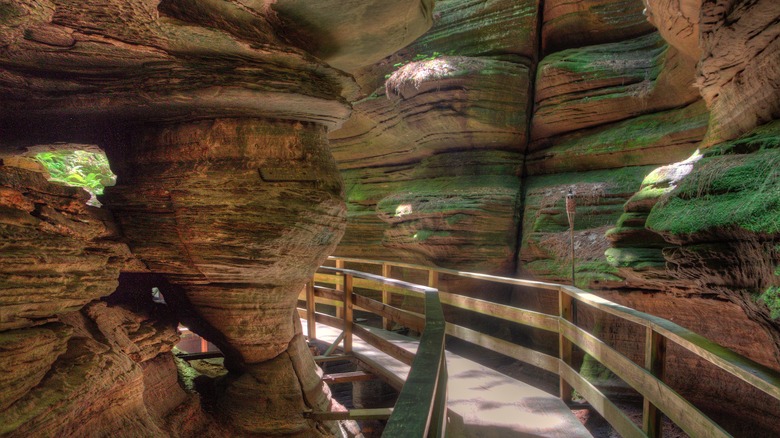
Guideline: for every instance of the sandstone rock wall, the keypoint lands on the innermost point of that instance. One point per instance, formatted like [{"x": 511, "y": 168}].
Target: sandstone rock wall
[
  {"x": 72, "y": 365},
  {"x": 432, "y": 156},
  {"x": 215, "y": 116}
]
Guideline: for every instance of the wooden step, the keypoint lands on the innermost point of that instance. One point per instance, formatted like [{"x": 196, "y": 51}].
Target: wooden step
[
  {"x": 354, "y": 414},
  {"x": 352, "y": 376}
]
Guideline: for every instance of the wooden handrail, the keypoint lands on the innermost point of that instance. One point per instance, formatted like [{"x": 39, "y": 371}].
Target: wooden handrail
[
  {"x": 647, "y": 379},
  {"x": 420, "y": 410}
]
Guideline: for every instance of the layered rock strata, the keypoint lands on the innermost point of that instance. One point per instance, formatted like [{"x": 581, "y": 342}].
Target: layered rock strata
[
  {"x": 575, "y": 24},
  {"x": 215, "y": 116},
  {"x": 65, "y": 370},
  {"x": 237, "y": 214},
  {"x": 432, "y": 156}
]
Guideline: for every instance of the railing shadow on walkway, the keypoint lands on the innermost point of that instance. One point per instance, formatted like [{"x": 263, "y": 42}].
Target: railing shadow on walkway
[{"x": 421, "y": 407}]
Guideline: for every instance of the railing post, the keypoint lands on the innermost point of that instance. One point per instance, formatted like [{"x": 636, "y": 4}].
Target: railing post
[
  {"x": 655, "y": 352},
  {"x": 439, "y": 419},
  {"x": 564, "y": 345},
  {"x": 386, "y": 295},
  {"x": 433, "y": 278},
  {"x": 347, "y": 313},
  {"x": 311, "y": 317},
  {"x": 340, "y": 287}
]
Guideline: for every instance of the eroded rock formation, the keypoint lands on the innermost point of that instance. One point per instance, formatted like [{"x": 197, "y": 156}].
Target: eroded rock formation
[
  {"x": 430, "y": 157},
  {"x": 214, "y": 115},
  {"x": 456, "y": 148}
]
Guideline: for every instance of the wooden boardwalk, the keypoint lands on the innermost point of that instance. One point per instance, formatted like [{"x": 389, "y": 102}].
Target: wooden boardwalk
[{"x": 482, "y": 402}]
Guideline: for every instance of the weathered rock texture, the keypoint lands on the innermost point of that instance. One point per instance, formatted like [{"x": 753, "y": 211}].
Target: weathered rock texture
[
  {"x": 113, "y": 62},
  {"x": 215, "y": 116},
  {"x": 739, "y": 70},
  {"x": 594, "y": 85},
  {"x": 237, "y": 213},
  {"x": 57, "y": 252},
  {"x": 66, "y": 371},
  {"x": 575, "y": 24},
  {"x": 432, "y": 157},
  {"x": 350, "y": 35}
]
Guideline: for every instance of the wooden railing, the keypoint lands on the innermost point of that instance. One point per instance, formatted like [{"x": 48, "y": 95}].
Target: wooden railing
[
  {"x": 420, "y": 410},
  {"x": 647, "y": 379}
]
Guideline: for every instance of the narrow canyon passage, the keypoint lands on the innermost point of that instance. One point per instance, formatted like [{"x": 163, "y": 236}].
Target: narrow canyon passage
[{"x": 251, "y": 139}]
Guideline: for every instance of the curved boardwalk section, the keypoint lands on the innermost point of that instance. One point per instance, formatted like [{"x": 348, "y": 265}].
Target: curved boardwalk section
[{"x": 482, "y": 403}]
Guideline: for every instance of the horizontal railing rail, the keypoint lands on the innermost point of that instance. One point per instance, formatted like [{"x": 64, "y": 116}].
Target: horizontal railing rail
[{"x": 646, "y": 379}]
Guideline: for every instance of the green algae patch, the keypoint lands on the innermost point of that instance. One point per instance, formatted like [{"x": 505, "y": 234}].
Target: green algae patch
[{"x": 735, "y": 186}]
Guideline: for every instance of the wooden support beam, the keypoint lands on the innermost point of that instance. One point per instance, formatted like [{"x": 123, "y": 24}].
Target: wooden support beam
[
  {"x": 348, "y": 313},
  {"x": 564, "y": 345},
  {"x": 333, "y": 358},
  {"x": 433, "y": 278},
  {"x": 196, "y": 356},
  {"x": 391, "y": 314},
  {"x": 690, "y": 419},
  {"x": 384, "y": 345},
  {"x": 655, "y": 354},
  {"x": 311, "y": 321},
  {"x": 387, "y": 296},
  {"x": 523, "y": 354},
  {"x": 335, "y": 344},
  {"x": 352, "y": 376},
  {"x": 604, "y": 406},
  {"x": 340, "y": 287},
  {"x": 508, "y": 313}
]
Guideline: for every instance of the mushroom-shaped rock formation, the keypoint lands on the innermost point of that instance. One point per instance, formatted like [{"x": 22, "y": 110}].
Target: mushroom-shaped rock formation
[{"x": 215, "y": 117}]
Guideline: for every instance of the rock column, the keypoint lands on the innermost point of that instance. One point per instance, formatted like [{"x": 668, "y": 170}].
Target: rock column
[{"x": 237, "y": 214}]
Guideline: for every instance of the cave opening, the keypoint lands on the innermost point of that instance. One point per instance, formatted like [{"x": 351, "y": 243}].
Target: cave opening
[
  {"x": 145, "y": 293},
  {"x": 87, "y": 168}
]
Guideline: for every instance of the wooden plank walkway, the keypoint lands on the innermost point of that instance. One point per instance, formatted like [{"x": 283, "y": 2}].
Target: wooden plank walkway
[{"x": 483, "y": 403}]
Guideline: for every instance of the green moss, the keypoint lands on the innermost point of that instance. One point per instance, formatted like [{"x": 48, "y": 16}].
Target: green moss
[
  {"x": 762, "y": 138},
  {"x": 639, "y": 58},
  {"x": 617, "y": 180},
  {"x": 456, "y": 219},
  {"x": 636, "y": 133},
  {"x": 186, "y": 373},
  {"x": 424, "y": 234},
  {"x": 595, "y": 271},
  {"x": 595, "y": 372},
  {"x": 545, "y": 198},
  {"x": 635, "y": 258},
  {"x": 732, "y": 191},
  {"x": 586, "y": 272},
  {"x": 480, "y": 28},
  {"x": 771, "y": 298}
]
